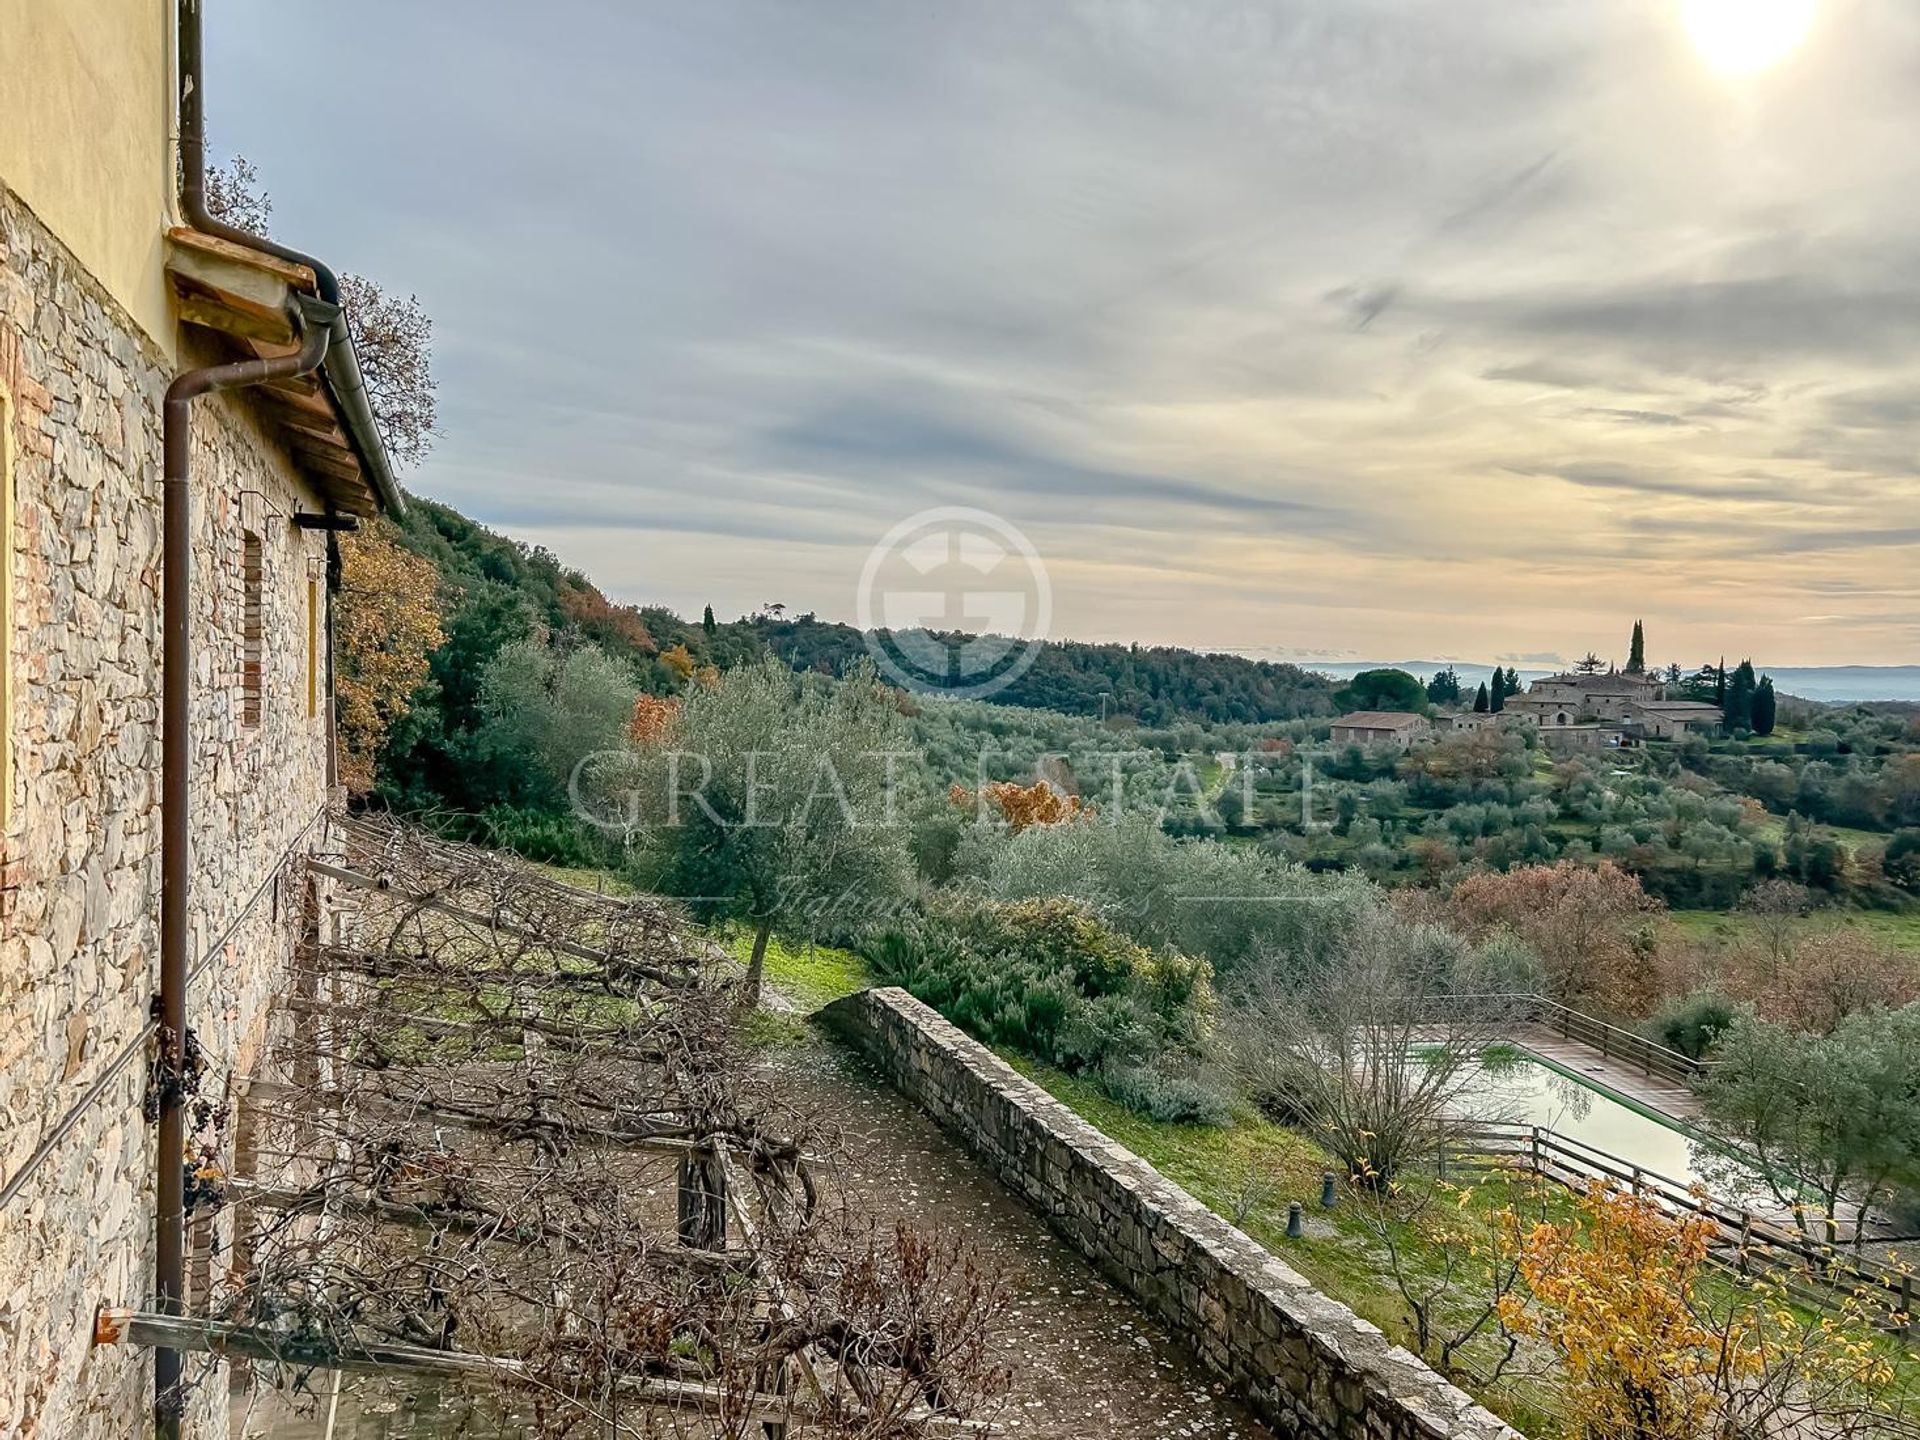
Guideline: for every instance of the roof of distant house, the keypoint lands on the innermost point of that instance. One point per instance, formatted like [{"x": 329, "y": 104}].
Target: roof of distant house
[
  {"x": 1681, "y": 707},
  {"x": 1379, "y": 720}
]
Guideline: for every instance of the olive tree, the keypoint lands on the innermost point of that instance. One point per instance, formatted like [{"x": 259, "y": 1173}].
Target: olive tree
[
  {"x": 770, "y": 799},
  {"x": 1832, "y": 1118},
  {"x": 546, "y": 711}
]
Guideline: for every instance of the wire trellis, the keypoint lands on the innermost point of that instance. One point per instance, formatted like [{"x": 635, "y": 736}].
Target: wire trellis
[{"x": 511, "y": 1134}]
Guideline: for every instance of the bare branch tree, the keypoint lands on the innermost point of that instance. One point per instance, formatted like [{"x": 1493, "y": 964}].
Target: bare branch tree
[
  {"x": 514, "y": 1137},
  {"x": 1373, "y": 1052},
  {"x": 392, "y": 337}
]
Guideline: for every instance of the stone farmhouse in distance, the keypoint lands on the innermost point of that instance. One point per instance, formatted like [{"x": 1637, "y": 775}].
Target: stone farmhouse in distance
[
  {"x": 1381, "y": 729},
  {"x": 183, "y": 432},
  {"x": 1571, "y": 710},
  {"x": 1612, "y": 707}
]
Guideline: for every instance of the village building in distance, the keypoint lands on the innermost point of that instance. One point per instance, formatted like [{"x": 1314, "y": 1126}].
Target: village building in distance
[
  {"x": 1380, "y": 729},
  {"x": 1574, "y": 710}
]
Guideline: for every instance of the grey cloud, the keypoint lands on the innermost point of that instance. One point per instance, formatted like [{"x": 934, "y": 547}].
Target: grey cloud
[
  {"x": 1816, "y": 541},
  {"x": 1711, "y": 324},
  {"x": 1624, "y": 478},
  {"x": 1529, "y": 188},
  {"x": 1545, "y": 372},
  {"x": 873, "y": 437},
  {"x": 1364, "y": 304},
  {"x": 1634, "y": 417}
]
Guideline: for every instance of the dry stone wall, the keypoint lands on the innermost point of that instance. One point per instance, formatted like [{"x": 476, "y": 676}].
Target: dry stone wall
[
  {"x": 79, "y": 896},
  {"x": 1307, "y": 1364}
]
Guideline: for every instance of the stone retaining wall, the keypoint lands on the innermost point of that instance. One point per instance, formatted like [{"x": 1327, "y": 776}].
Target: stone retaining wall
[{"x": 1307, "y": 1364}]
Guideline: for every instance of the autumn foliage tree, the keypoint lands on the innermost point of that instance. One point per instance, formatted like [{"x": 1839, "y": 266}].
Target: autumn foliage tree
[
  {"x": 386, "y": 626},
  {"x": 680, "y": 660},
  {"x": 1652, "y": 1349},
  {"x": 1022, "y": 806},
  {"x": 1610, "y": 1293},
  {"x": 1592, "y": 928},
  {"x": 652, "y": 719}
]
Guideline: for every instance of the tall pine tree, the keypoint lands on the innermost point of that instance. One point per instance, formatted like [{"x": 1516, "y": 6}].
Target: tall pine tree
[
  {"x": 1637, "y": 651},
  {"x": 1513, "y": 681}
]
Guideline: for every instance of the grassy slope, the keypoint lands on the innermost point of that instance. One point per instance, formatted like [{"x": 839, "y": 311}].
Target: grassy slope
[{"x": 1893, "y": 928}]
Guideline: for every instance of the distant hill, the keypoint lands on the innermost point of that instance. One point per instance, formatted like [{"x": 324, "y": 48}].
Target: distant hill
[
  {"x": 1156, "y": 685},
  {"x": 500, "y": 590}
]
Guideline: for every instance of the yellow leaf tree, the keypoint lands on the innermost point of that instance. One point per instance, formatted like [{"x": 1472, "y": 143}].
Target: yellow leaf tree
[
  {"x": 1022, "y": 806},
  {"x": 1653, "y": 1350},
  {"x": 386, "y": 628}
]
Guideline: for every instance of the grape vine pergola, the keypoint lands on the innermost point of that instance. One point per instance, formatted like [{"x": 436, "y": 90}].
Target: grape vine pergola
[{"x": 510, "y": 1135}]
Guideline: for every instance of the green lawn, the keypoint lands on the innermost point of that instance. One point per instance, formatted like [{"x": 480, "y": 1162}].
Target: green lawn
[
  {"x": 601, "y": 882},
  {"x": 1898, "y": 928},
  {"x": 811, "y": 976}
]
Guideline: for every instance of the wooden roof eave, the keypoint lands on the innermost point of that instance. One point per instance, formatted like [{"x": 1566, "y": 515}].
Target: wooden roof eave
[{"x": 245, "y": 297}]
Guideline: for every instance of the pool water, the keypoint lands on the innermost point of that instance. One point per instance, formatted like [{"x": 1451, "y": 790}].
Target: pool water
[{"x": 1522, "y": 1090}]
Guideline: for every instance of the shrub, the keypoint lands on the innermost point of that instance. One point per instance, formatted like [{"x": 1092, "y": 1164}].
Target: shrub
[
  {"x": 1170, "y": 1096},
  {"x": 1050, "y": 979},
  {"x": 1695, "y": 1024}
]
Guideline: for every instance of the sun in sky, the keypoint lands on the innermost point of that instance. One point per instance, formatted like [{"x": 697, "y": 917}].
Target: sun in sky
[{"x": 1739, "y": 37}]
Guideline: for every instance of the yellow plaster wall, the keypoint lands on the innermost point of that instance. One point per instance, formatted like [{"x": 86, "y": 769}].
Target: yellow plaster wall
[{"x": 85, "y": 113}]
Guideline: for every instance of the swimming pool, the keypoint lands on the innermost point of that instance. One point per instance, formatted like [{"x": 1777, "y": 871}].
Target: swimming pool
[{"x": 1517, "y": 1088}]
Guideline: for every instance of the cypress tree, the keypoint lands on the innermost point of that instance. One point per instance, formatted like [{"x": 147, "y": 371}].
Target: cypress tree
[
  {"x": 1637, "y": 651},
  {"x": 1765, "y": 706},
  {"x": 1497, "y": 695},
  {"x": 1481, "y": 702},
  {"x": 706, "y": 621},
  {"x": 1738, "y": 710},
  {"x": 1720, "y": 684}
]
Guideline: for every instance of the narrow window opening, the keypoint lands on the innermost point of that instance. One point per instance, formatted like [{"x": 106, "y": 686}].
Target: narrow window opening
[
  {"x": 253, "y": 628},
  {"x": 313, "y": 648}
]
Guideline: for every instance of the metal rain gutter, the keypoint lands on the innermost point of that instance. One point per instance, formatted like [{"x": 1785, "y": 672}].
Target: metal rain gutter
[
  {"x": 340, "y": 368},
  {"x": 327, "y": 346}
]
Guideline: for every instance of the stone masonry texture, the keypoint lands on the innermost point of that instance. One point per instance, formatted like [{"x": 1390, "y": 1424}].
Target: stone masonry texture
[
  {"x": 79, "y": 897},
  {"x": 1308, "y": 1365}
]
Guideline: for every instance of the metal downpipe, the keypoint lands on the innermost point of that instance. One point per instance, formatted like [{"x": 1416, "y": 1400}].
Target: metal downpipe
[{"x": 311, "y": 323}]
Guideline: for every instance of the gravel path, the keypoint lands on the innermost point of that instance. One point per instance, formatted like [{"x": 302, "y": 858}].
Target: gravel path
[{"x": 1088, "y": 1364}]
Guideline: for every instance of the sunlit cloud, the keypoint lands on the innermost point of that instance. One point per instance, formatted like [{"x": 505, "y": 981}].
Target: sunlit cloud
[{"x": 1342, "y": 326}]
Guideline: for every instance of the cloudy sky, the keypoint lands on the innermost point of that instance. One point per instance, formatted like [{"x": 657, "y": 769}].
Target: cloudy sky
[{"x": 1382, "y": 328}]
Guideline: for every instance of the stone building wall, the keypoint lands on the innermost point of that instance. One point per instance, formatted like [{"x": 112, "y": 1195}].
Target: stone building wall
[
  {"x": 79, "y": 896},
  {"x": 1307, "y": 1364}
]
